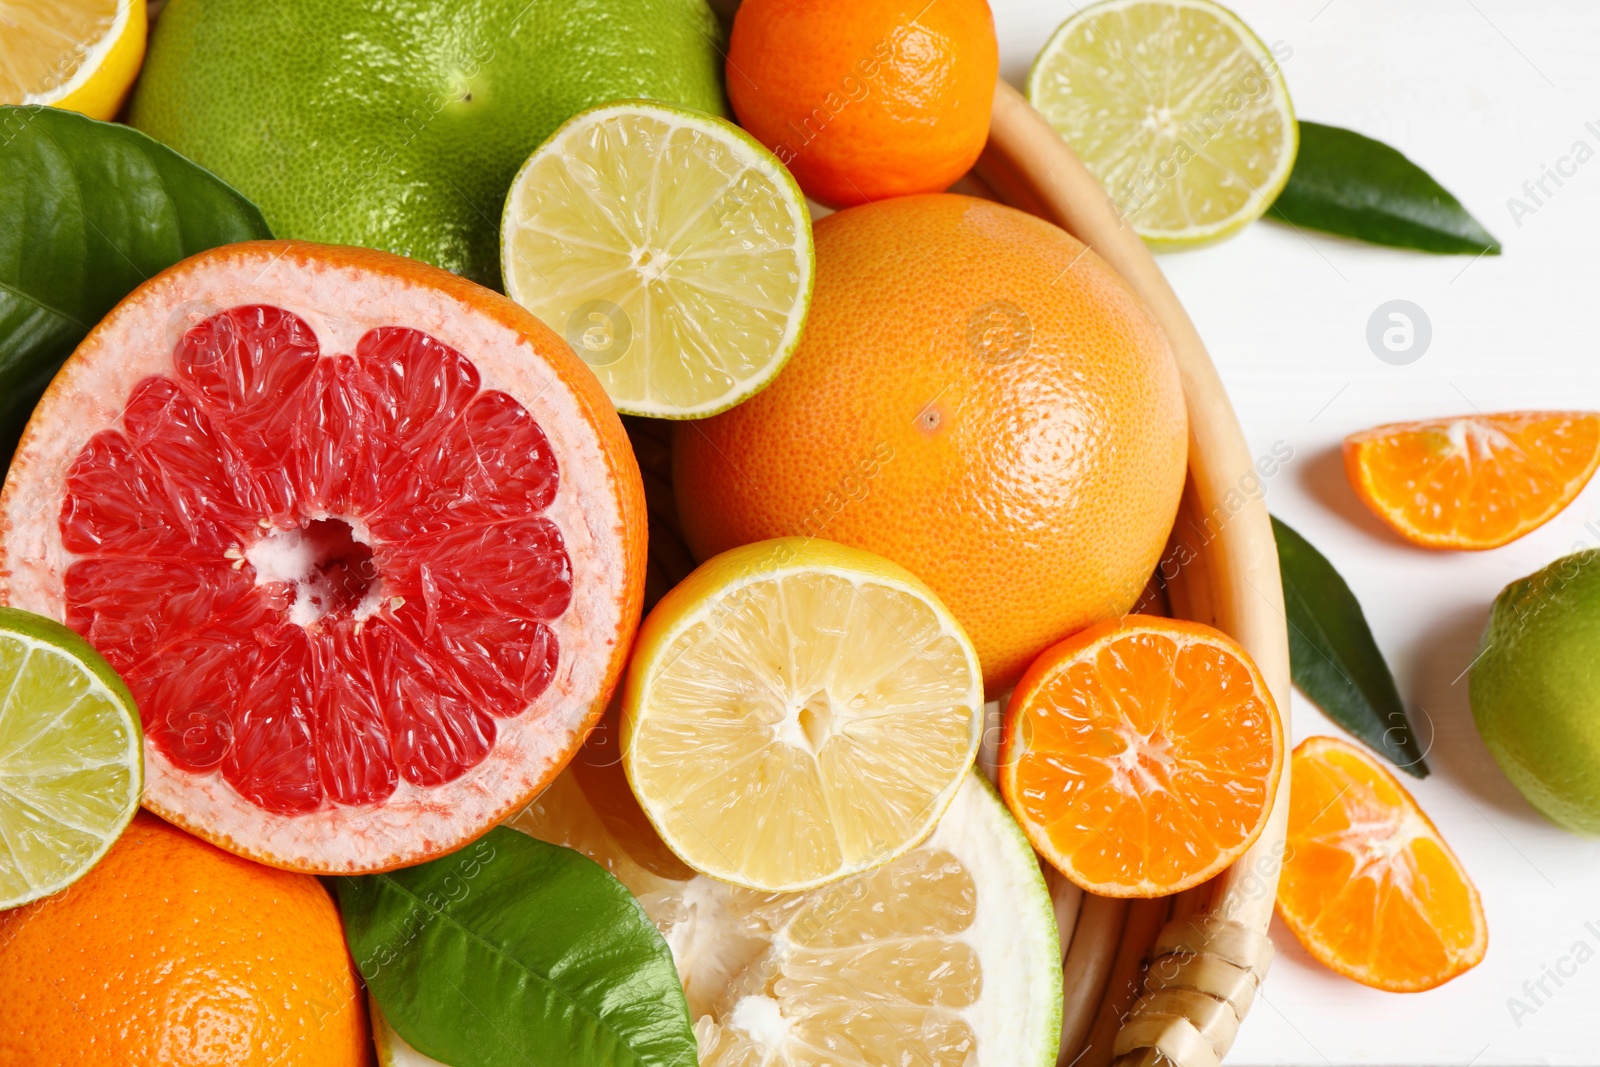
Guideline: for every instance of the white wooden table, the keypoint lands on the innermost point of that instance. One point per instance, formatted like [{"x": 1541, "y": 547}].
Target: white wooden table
[{"x": 1485, "y": 94}]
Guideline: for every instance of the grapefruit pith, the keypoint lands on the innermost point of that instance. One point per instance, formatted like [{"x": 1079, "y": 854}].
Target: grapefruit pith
[{"x": 365, "y": 540}]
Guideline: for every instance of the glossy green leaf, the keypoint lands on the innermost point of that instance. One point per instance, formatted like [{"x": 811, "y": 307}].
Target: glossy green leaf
[
  {"x": 512, "y": 952},
  {"x": 88, "y": 210},
  {"x": 1353, "y": 186},
  {"x": 1333, "y": 657}
]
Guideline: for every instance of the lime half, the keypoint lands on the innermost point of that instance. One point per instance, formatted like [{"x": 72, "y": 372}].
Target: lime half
[
  {"x": 671, "y": 250},
  {"x": 70, "y": 760},
  {"x": 1178, "y": 109}
]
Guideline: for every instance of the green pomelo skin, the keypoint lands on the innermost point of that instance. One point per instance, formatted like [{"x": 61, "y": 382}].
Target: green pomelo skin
[
  {"x": 1536, "y": 689},
  {"x": 399, "y": 124}
]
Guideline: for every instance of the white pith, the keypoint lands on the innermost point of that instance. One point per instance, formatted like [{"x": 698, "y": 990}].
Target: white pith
[{"x": 340, "y": 303}]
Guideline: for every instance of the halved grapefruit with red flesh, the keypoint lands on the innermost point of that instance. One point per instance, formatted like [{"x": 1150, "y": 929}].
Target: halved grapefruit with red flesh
[{"x": 365, "y": 539}]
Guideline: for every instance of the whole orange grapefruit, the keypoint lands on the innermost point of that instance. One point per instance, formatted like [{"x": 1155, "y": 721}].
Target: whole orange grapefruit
[
  {"x": 176, "y": 953},
  {"x": 978, "y": 397},
  {"x": 865, "y": 99}
]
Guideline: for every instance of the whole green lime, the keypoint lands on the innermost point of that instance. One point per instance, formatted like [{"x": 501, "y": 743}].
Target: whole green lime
[
  {"x": 1536, "y": 689},
  {"x": 399, "y": 124}
]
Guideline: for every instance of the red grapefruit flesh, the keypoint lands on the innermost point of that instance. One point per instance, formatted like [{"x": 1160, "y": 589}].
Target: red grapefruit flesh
[{"x": 365, "y": 540}]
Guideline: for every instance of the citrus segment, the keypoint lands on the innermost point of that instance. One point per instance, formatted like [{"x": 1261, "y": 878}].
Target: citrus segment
[
  {"x": 1368, "y": 886},
  {"x": 672, "y": 249},
  {"x": 945, "y": 956},
  {"x": 82, "y": 55},
  {"x": 836, "y": 699},
  {"x": 70, "y": 767},
  {"x": 1142, "y": 755},
  {"x": 360, "y": 538},
  {"x": 174, "y": 952},
  {"x": 1477, "y": 481},
  {"x": 1178, "y": 109}
]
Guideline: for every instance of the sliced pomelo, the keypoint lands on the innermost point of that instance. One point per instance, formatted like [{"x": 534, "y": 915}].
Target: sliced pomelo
[
  {"x": 946, "y": 956},
  {"x": 797, "y": 711},
  {"x": 365, "y": 540},
  {"x": 672, "y": 249},
  {"x": 70, "y": 767},
  {"x": 1178, "y": 109}
]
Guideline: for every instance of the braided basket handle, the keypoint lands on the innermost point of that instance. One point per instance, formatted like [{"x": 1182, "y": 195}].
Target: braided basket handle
[{"x": 1205, "y": 968}]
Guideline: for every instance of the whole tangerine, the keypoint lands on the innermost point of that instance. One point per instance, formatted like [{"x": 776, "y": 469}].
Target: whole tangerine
[
  {"x": 173, "y": 952},
  {"x": 977, "y": 397},
  {"x": 865, "y": 99}
]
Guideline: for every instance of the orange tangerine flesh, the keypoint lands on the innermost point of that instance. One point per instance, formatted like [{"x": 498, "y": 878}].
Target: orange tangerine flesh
[
  {"x": 1141, "y": 755},
  {"x": 1474, "y": 482},
  {"x": 1369, "y": 887}
]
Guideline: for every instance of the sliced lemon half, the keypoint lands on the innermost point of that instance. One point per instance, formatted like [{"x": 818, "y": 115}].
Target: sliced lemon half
[
  {"x": 78, "y": 54},
  {"x": 796, "y": 712},
  {"x": 1177, "y": 108},
  {"x": 946, "y": 956},
  {"x": 71, "y": 757},
  {"x": 669, "y": 247}
]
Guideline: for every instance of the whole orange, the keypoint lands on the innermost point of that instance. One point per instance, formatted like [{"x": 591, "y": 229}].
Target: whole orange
[
  {"x": 865, "y": 99},
  {"x": 172, "y": 952},
  {"x": 979, "y": 398}
]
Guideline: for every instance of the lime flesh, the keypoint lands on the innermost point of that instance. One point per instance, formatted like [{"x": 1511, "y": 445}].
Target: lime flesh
[
  {"x": 71, "y": 766},
  {"x": 670, "y": 248},
  {"x": 1177, "y": 108}
]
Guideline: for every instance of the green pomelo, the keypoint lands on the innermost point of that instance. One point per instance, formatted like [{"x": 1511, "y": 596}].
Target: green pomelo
[
  {"x": 1536, "y": 689},
  {"x": 399, "y": 124}
]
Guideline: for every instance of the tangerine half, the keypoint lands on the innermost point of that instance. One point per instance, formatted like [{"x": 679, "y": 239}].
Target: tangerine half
[{"x": 1142, "y": 755}]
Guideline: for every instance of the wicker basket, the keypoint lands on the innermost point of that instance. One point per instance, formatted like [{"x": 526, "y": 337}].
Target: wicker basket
[{"x": 1165, "y": 980}]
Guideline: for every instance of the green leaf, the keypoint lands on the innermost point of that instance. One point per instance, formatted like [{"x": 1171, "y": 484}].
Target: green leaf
[
  {"x": 1333, "y": 657},
  {"x": 88, "y": 210},
  {"x": 1353, "y": 186},
  {"x": 512, "y": 952}
]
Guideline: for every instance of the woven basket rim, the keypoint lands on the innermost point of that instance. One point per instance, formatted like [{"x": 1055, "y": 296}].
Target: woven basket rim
[{"x": 1167, "y": 980}]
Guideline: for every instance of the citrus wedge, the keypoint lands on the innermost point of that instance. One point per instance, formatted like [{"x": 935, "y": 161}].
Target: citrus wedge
[
  {"x": 1142, "y": 755},
  {"x": 1178, "y": 109},
  {"x": 78, "y": 54},
  {"x": 1369, "y": 887},
  {"x": 669, "y": 247},
  {"x": 1474, "y": 482},
  {"x": 945, "y": 957},
  {"x": 797, "y": 711},
  {"x": 70, "y": 768}
]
